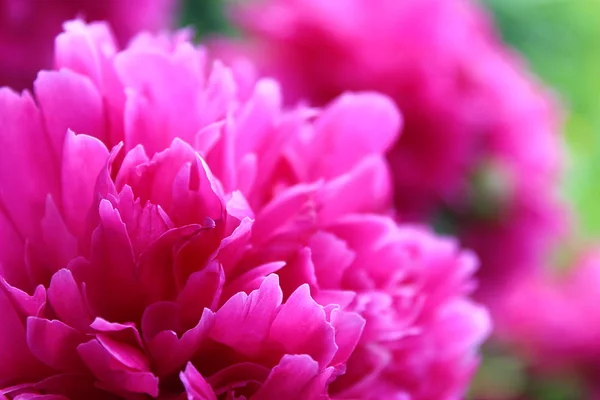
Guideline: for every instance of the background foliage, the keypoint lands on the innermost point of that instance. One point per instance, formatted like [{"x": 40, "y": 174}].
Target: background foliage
[{"x": 561, "y": 41}]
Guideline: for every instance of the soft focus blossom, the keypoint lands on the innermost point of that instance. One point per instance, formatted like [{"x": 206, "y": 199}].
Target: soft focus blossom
[
  {"x": 479, "y": 153},
  {"x": 167, "y": 235},
  {"x": 552, "y": 321},
  {"x": 28, "y": 28}
]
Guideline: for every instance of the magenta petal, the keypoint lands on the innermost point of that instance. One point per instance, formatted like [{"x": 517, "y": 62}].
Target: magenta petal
[
  {"x": 252, "y": 279},
  {"x": 158, "y": 317},
  {"x": 145, "y": 224},
  {"x": 365, "y": 188},
  {"x": 24, "y": 304},
  {"x": 234, "y": 247},
  {"x": 60, "y": 243},
  {"x": 89, "y": 50},
  {"x": 244, "y": 321},
  {"x": 40, "y": 397},
  {"x": 257, "y": 117},
  {"x": 348, "y": 330},
  {"x": 12, "y": 267},
  {"x": 67, "y": 301},
  {"x": 291, "y": 208},
  {"x": 127, "y": 355},
  {"x": 202, "y": 290},
  {"x": 207, "y": 137},
  {"x": 24, "y": 152},
  {"x": 297, "y": 377},
  {"x": 113, "y": 374},
  {"x": 85, "y": 49},
  {"x": 154, "y": 269},
  {"x": 84, "y": 158},
  {"x": 177, "y": 179},
  {"x": 125, "y": 333},
  {"x": 339, "y": 298},
  {"x": 69, "y": 101},
  {"x": 152, "y": 117},
  {"x": 238, "y": 376},
  {"x": 300, "y": 327},
  {"x": 169, "y": 352},
  {"x": 195, "y": 385},
  {"x": 17, "y": 361},
  {"x": 54, "y": 343},
  {"x": 369, "y": 121},
  {"x": 219, "y": 94},
  {"x": 331, "y": 257},
  {"x": 112, "y": 268},
  {"x": 129, "y": 171}
]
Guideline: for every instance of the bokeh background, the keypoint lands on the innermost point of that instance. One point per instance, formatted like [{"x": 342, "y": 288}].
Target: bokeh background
[{"x": 560, "y": 39}]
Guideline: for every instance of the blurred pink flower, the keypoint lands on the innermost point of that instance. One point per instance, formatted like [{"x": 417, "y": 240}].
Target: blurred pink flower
[
  {"x": 552, "y": 319},
  {"x": 28, "y": 28},
  {"x": 479, "y": 153},
  {"x": 168, "y": 230}
]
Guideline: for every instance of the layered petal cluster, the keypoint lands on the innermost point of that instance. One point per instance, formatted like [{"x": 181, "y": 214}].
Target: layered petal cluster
[
  {"x": 552, "y": 321},
  {"x": 28, "y": 28},
  {"x": 479, "y": 153},
  {"x": 169, "y": 231}
]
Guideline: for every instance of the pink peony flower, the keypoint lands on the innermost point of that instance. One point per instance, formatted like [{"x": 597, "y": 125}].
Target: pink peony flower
[
  {"x": 551, "y": 320},
  {"x": 479, "y": 153},
  {"x": 28, "y": 28},
  {"x": 168, "y": 230}
]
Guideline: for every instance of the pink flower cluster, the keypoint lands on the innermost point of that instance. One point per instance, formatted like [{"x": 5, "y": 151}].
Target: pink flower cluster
[
  {"x": 168, "y": 230},
  {"x": 28, "y": 28},
  {"x": 479, "y": 154},
  {"x": 552, "y": 321}
]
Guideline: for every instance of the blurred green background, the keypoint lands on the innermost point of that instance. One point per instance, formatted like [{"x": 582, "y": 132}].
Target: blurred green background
[{"x": 561, "y": 41}]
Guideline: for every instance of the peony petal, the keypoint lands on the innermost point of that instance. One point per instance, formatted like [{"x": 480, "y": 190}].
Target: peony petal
[
  {"x": 300, "y": 327},
  {"x": 365, "y": 188},
  {"x": 60, "y": 243},
  {"x": 292, "y": 210},
  {"x": 24, "y": 304},
  {"x": 89, "y": 49},
  {"x": 85, "y": 49},
  {"x": 348, "y": 330},
  {"x": 297, "y": 377},
  {"x": 178, "y": 181},
  {"x": 257, "y": 117},
  {"x": 202, "y": 290},
  {"x": 196, "y": 387},
  {"x": 112, "y": 268},
  {"x": 252, "y": 279},
  {"x": 369, "y": 121},
  {"x": 238, "y": 376},
  {"x": 18, "y": 364},
  {"x": 145, "y": 224},
  {"x": 69, "y": 101},
  {"x": 154, "y": 269},
  {"x": 54, "y": 343},
  {"x": 112, "y": 374},
  {"x": 40, "y": 397},
  {"x": 244, "y": 321},
  {"x": 12, "y": 249},
  {"x": 152, "y": 117},
  {"x": 67, "y": 301},
  {"x": 170, "y": 353},
  {"x": 84, "y": 158},
  {"x": 331, "y": 257},
  {"x": 24, "y": 152}
]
